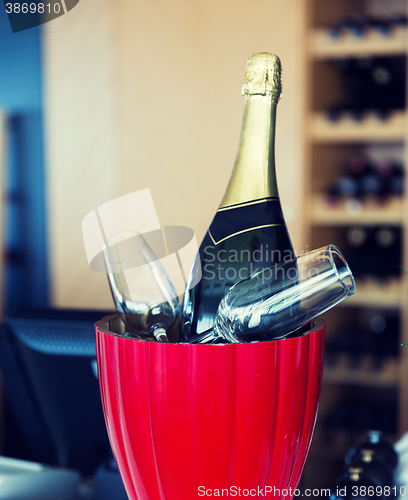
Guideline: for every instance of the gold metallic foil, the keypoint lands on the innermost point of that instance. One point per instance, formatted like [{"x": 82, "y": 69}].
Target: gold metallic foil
[
  {"x": 253, "y": 177},
  {"x": 263, "y": 74}
]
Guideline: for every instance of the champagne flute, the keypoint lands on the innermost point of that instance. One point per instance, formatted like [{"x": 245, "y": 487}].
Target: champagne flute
[
  {"x": 143, "y": 294},
  {"x": 262, "y": 307}
]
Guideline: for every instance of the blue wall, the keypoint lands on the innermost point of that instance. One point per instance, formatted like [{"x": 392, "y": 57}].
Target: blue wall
[{"x": 21, "y": 97}]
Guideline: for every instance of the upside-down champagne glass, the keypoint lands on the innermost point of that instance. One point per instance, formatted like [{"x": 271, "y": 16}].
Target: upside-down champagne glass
[
  {"x": 262, "y": 307},
  {"x": 143, "y": 294}
]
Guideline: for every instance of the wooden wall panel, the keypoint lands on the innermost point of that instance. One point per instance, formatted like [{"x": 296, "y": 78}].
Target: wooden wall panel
[
  {"x": 180, "y": 72},
  {"x": 82, "y": 163}
]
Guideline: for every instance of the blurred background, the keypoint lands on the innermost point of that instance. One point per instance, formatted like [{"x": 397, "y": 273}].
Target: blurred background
[{"x": 115, "y": 97}]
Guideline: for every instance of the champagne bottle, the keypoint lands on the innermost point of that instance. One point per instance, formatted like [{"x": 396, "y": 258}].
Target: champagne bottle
[{"x": 248, "y": 232}]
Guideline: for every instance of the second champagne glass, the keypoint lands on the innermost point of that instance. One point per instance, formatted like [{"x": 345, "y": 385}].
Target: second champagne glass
[
  {"x": 141, "y": 289},
  {"x": 273, "y": 303}
]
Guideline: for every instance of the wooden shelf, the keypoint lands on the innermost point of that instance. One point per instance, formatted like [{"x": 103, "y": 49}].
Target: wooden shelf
[
  {"x": 350, "y": 211},
  {"x": 373, "y": 293},
  {"x": 347, "y": 130},
  {"x": 329, "y": 144},
  {"x": 323, "y": 46},
  {"x": 364, "y": 375}
]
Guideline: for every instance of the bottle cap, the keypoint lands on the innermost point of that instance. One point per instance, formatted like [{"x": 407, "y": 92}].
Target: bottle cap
[{"x": 263, "y": 75}]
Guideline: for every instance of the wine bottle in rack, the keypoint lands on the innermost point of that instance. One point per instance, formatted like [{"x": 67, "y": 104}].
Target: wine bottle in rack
[
  {"x": 355, "y": 25},
  {"x": 371, "y": 463},
  {"x": 398, "y": 21},
  {"x": 359, "y": 479},
  {"x": 388, "y": 251},
  {"x": 374, "y": 448},
  {"x": 394, "y": 183},
  {"x": 248, "y": 232},
  {"x": 358, "y": 244},
  {"x": 385, "y": 26},
  {"x": 371, "y": 84},
  {"x": 387, "y": 85},
  {"x": 343, "y": 187},
  {"x": 359, "y": 26},
  {"x": 357, "y": 166},
  {"x": 371, "y": 184}
]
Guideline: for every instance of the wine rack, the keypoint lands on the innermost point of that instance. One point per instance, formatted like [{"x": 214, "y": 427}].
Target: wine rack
[
  {"x": 348, "y": 45},
  {"x": 364, "y": 383},
  {"x": 350, "y": 131}
]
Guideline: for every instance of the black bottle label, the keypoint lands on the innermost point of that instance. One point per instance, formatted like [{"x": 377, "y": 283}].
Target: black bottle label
[
  {"x": 243, "y": 239},
  {"x": 244, "y": 217}
]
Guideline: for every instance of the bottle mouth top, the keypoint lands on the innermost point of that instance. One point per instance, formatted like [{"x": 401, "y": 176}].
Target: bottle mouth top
[{"x": 263, "y": 74}]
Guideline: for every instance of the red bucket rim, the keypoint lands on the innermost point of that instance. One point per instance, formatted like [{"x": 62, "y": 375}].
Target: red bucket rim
[{"x": 103, "y": 326}]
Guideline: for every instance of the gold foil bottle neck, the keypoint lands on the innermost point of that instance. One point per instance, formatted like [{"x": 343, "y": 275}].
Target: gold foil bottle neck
[{"x": 263, "y": 75}]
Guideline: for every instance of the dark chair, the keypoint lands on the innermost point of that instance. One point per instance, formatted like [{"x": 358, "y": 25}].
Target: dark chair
[{"x": 48, "y": 364}]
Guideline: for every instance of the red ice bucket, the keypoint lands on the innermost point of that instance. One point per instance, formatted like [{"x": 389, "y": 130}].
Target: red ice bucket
[{"x": 187, "y": 421}]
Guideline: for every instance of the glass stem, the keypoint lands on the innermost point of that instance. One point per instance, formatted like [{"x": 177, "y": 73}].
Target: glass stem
[
  {"x": 160, "y": 334},
  {"x": 204, "y": 338}
]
